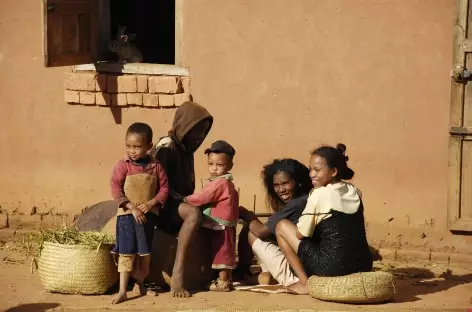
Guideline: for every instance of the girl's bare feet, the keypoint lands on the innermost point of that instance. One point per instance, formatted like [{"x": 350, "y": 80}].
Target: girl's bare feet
[
  {"x": 298, "y": 289},
  {"x": 265, "y": 278},
  {"x": 119, "y": 297}
]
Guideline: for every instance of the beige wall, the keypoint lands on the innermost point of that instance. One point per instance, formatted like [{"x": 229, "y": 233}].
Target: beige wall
[{"x": 280, "y": 78}]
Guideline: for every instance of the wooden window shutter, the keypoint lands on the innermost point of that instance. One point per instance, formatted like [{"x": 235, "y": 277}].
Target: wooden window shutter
[
  {"x": 460, "y": 140},
  {"x": 70, "y": 31}
]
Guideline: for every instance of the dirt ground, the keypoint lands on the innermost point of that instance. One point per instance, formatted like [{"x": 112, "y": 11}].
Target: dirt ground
[{"x": 419, "y": 286}]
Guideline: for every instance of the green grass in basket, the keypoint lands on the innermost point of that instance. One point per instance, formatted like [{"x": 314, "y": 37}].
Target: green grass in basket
[
  {"x": 32, "y": 243},
  {"x": 74, "y": 237}
]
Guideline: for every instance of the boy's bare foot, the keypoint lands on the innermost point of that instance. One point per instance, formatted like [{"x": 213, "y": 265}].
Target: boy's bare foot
[
  {"x": 139, "y": 289},
  {"x": 176, "y": 286},
  {"x": 180, "y": 293},
  {"x": 298, "y": 289},
  {"x": 118, "y": 298}
]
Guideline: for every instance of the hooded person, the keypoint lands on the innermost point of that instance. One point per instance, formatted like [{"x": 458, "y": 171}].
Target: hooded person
[{"x": 192, "y": 122}]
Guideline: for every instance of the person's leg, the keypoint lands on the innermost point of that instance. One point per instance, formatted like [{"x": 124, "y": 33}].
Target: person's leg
[
  {"x": 125, "y": 266},
  {"x": 140, "y": 271},
  {"x": 225, "y": 275},
  {"x": 288, "y": 243},
  {"x": 273, "y": 261},
  {"x": 144, "y": 239},
  {"x": 191, "y": 217},
  {"x": 245, "y": 255},
  {"x": 265, "y": 277},
  {"x": 224, "y": 253}
]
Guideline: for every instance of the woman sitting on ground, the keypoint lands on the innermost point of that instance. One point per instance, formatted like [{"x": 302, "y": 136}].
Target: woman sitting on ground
[
  {"x": 329, "y": 239},
  {"x": 287, "y": 183}
]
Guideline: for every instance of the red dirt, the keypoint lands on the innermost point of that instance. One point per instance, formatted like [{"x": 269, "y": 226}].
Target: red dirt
[{"x": 415, "y": 289}]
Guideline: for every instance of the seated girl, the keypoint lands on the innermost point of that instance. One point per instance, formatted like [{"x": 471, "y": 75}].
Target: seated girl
[
  {"x": 287, "y": 184},
  {"x": 329, "y": 239}
]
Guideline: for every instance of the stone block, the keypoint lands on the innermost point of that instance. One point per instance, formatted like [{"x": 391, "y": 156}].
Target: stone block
[
  {"x": 20, "y": 221},
  {"x": 166, "y": 100},
  {"x": 7, "y": 234},
  {"x": 119, "y": 99},
  {"x": 70, "y": 218},
  {"x": 80, "y": 81},
  {"x": 3, "y": 220},
  {"x": 103, "y": 99},
  {"x": 135, "y": 99},
  {"x": 150, "y": 100},
  {"x": 54, "y": 221},
  {"x": 30, "y": 222},
  {"x": 142, "y": 83},
  {"x": 184, "y": 85},
  {"x": 387, "y": 253},
  {"x": 412, "y": 255},
  {"x": 71, "y": 96},
  {"x": 121, "y": 84},
  {"x": 163, "y": 84},
  {"x": 26, "y": 232},
  {"x": 455, "y": 258},
  {"x": 101, "y": 83},
  {"x": 87, "y": 98},
  {"x": 437, "y": 256},
  {"x": 181, "y": 98}
]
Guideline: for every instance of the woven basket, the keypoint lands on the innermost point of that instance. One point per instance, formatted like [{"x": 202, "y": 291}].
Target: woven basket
[
  {"x": 368, "y": 287},
  {"x": 77, "y": 269}
]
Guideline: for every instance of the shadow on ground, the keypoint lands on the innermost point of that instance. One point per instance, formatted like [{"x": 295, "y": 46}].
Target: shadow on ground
[
  {"x": 421, "y": 281},
  {"x": 33, "y": 307}
]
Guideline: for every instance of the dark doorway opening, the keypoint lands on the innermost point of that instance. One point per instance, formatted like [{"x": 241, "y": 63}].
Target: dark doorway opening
[{"x": 153, "y": 22}]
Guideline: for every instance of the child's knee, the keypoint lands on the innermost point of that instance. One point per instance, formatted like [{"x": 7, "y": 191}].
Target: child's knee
[
  {"x": 126, "y": 263},
  {"x": 282, "y": 226},
  {"x": 190, "y": 213}
]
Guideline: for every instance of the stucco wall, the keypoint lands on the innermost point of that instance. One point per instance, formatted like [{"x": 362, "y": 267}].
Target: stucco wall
[{"x": 280, "y": 78}]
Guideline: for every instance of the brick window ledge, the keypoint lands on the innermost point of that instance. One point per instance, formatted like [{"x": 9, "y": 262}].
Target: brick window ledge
[
  {"x": 135, "y": 68},
  {"x": 139, "y": 85}
]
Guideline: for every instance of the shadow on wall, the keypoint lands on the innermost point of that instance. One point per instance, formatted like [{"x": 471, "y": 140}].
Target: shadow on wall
[
  {"x": 112, "y": 83},
  {"x": 34, "y": 307}
]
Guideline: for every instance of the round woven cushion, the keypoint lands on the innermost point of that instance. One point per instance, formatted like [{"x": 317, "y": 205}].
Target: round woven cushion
[
  {"x": 367, "y": 287},
  {"x": 76, "y": 269}
]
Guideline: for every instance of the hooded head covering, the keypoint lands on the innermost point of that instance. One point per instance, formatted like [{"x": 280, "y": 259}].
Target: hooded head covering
[
  {"x": 186, "y": 117},
  {"x": 173, "y": 155}
]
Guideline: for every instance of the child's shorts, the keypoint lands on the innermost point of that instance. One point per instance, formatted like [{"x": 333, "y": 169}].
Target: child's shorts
[
  {"x": 134, "y": 245},
  {"x": 223, "y": 248},
  {"x": 133, "y": 238}
]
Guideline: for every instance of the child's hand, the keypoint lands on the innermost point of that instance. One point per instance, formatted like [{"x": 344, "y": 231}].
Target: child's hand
[
  {"x": 146, "y": 207},
  {"x": 138, "y": 216}
]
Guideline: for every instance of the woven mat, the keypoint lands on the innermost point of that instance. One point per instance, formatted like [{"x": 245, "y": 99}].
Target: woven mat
[{"x": 268, "y": 289}]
